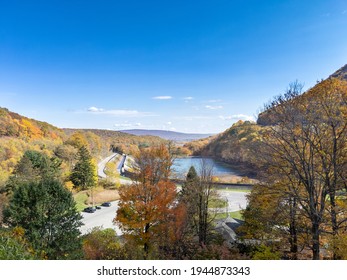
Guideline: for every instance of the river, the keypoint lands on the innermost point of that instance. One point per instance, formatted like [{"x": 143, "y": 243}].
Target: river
[{"x": 181, "y": 166}]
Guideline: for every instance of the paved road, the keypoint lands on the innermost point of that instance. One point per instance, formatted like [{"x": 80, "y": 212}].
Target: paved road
[
  {"x": 102, "y": 164},
  {"x": 101, "y": 218},
  {"x": 236, "y": 200},
  {"x": 114, "y": 157},
  {"x": 104, "y": 217}
]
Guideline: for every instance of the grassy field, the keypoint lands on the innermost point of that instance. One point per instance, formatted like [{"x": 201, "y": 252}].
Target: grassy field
[
  {"x": 217, "y": 203},
  {"x": 81, "y": 199},
  {"x": 235, "y": 215},
  {"x": 101, "y": 195},
  {"x": 124, "y": 178},
  {"x": 234, "y": 190}
]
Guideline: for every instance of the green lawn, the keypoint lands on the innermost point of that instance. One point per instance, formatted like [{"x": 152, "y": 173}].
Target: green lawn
[
  {"x": 217, "y": 203},
  {"x": 234, "y": 190},
  {"x": 124, "y": 178},
  {"x": 234, "y": 215},
  {"x": 80, "y": 199}
]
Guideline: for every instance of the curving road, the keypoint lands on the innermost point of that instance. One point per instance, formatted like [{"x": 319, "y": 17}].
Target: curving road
[
  {"x": 120, "y": 163},
  {"x": 102, "y": 164}
]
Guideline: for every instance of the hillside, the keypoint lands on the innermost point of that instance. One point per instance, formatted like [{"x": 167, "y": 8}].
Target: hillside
[
  {"x": 168, "y": 135},
  {"x": 234, "y": 146},
  {"x": 239, "y": 144},
  {"x": 267, "y": 118},
  {"x": 19, "y": 134},
  {"x": 125, "y": 141},
  {"x": 15, "y": 125},
  {"x": 340, "y": 74}
]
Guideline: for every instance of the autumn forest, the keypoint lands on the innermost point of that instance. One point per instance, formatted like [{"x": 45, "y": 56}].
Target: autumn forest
[{"x": 294, "y": 157}]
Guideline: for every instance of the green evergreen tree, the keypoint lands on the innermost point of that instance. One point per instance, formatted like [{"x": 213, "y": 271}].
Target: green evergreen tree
[
  {"x": 190, "y": 184},
  {"x": 34, "y": 166},
  {"x": 84, "y": 174},
  {"x": 47, "y": 212},
  {"x": 13, "y": 245}
]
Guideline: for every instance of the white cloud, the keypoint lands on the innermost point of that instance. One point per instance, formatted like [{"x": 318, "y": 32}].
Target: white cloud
[
  {"x": 238, "y": 117},
  {"x": 213, "y": 107},
  {"x": 95, "y": 109},
  {"x": 165, "y": 97},
  {"x": 188, "y": 98},
  {"x": 122, "y": 125},
  {"x": 126, "y": 124},
  {"x": 169, "y": 123},
  {"x": 120, "y": 113}
]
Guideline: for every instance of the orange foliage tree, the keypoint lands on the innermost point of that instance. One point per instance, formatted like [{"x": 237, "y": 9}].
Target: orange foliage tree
[{"x": 148, "y": 206}]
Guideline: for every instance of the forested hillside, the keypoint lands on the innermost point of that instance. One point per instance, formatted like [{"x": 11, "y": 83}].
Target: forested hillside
[
  {"x": 15, "y": 125},
  {"x": 235, "y": 146},
  {"x": 125, "y": 142},
  {"x": 298, "y": 147},
  {"x": 268, "y": 117},
  {"x": 19, "y": 134},
  {"x": 239, "y": 144}
]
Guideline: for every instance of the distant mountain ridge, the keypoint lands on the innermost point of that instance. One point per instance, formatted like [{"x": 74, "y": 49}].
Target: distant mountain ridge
[{"x": 167, "y": 134}]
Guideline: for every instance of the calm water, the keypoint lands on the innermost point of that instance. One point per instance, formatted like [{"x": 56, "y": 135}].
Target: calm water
[{"x": 181, "y": 166}]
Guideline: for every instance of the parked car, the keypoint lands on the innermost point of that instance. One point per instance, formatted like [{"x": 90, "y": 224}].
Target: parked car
[
  {"x": 89, "y": 210},
  {"x": 98, "y": 207},
  {"x": 106, "y": 204}
]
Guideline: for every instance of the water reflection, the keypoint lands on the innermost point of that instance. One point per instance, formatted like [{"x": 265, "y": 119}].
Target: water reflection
[{"x": 181, "y": 166}]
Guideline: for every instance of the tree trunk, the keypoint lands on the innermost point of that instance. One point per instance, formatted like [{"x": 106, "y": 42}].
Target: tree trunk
[
  {"x": 315, "y": 241},
  {"x": 293, "y": 231},
  {"x": 146, "y": 245},
  {"x": 334, "y": 224}
]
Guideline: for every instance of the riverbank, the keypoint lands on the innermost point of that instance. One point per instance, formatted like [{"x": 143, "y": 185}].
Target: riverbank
[
  {"x": 234, "y": 179},
  {"x": 223, "y": 172}
]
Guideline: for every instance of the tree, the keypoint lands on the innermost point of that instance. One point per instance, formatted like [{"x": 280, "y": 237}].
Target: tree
[
  {"x": 13, "y": 245},
  {"x": 147, "y": 206},
  {"x": 77, "y": 140},
  {"x": 32, "y": 167},
  {"x": 272, "y": 214},
  {"x": 84, "y": 174},
  {"x": 306, "y": 147},
  {"x": 189, "y": 198},
  {"x": 197, "y": 193},
  {"x": 47, "y": 212},
  {"x": 205, "y": 193},
  {"x": 104, "y": 244},
  {"x": 113, "y": 176},
  {"x": 67, "y": 153}
]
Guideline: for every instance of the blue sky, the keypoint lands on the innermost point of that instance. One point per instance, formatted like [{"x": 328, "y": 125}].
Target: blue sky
[{"x": 190, "y": 66}]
